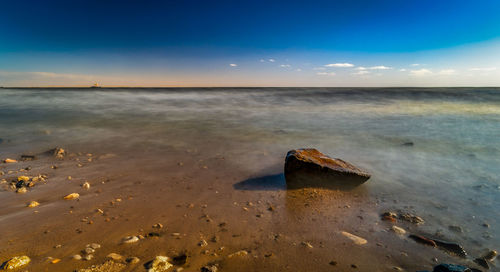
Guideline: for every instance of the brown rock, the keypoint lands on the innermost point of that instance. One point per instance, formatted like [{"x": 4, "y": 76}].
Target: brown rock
[{"x": 310, "y": 168}]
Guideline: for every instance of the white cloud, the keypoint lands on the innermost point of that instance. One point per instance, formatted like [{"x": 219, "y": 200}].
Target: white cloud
[
  {"x": 361, "y": 68},
  {"x": 233, "y": 64},
  {"x": 447, "y": 72},
  {"x": 339, "y": 65},
  {"x": 483, "y": 69},
  {"x": 262, "y": 60},
  {"x": 402, "y": 70},
  {"x": 325, "y": 73},
  {"x": 420, "y": 72},
  {"x": 380, "y": 67},
  {"x": 272, "y": 60},
  {"x": 319, "y": 68},
  {"x": 285, "y": 65},
  {"x": 415, "y": 64},
  {"x": 298, "y": 70},
  {"x": 362, "y": 72}
]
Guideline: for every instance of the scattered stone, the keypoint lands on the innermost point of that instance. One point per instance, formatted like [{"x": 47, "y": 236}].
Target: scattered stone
[
  {"x": 28, "y": 157},
  {"x": 16, "y": 262},
  {"x": 452, "y": 248},
  {"x": 451, "y": 268},
  {"x": 311, "y": 168},
  {"x": 209, "y": 268},
  {"x": 115, "y": 257},
  {"x": 457, "y": 229},
  {"x": 482, "y": 262},
  {"x": 203, "y": 243},
  {"x": 94, "y": 245},
  {"x": 77, "y": 257},
  {"x": 133, "y": 260},
  {"x": 159, "y": 264},
  {"x": 356, "y": 239},
  {"x": 422, "y": 240},
  {"x": 21, "y": 190},
  {"x": 33, "y": 204},
  {"x": 130, "y": 239},
  {"x": 23, "y": 178},
  {"x": 88, "y": 257},
  {"x": 307, "y": 244},
  {"x": 334, "y": 263},
  {"x": 54, "y": 261},
  {"x": 398, "y": 230},
  {"x": 411, "y": 218},
  {"x": 108, "y": 266},
  {"x": 158, "y": 226},
  {"x": 9, "y": 161},
  {"x": 59, "y": 153},
  {"x": 88, "y": 250},
  {"x": 180, "y": 259},
  {"x": 240, "y": 253},
  {"x": 397, "y": 268},
  {"x": 490, "y": 255},
  {"x": 86, "y": 185},
  {"x": 72, "y": 196}
]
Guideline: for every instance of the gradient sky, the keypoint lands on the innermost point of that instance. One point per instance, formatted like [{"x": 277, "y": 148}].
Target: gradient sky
[{"x": 250, "y": 43}]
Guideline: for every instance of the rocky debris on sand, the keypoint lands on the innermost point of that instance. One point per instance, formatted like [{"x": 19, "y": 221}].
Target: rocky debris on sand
[
  {"x": 482, "y": 262},
  {"x": 453, "y": 268},
  {"x": 307, "y": 244},
  {"x": 59, "y": 153},
  {"x": 21, "y": 190},
  {"x": 16, "y": 262},
  {"x": 133, "y": 260},
  {"x": 398, "y": 230},
  {"x": 28, "y": 157},
  {"x": 108, "y": 266},
  {"x": 158, "y": 226},
  {"x": 356, "y": 239},
  {"x": 452, "y": 248},
  {"x": 490, "y": 255},
  {"x": 130, "y": 239},
  {"x": 115, "y": 257},
  {"x": 408, "y": 217},
  {"x": 33, "y": 204},
  {"x": 180, "y": 259},
  {"x": 77, "y": 257},
  {"x": 86, "y": 185},
  {"x": 159, "y": 264},
  {"x": 72, "y": 196},
  {"x": 411, "y": 218},
  {"x": 209, "y": 268},
  {"x": 239, "y": 253},
  {"x": 310, "y": 168},
  {"x": 94, "y": 245},
  {"x": 389, "y": 216},
  {"x": 9, "y": 161}
]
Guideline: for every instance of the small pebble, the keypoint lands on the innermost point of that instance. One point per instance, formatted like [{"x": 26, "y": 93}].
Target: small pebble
[
  {"x": 133, "y": 260},
  {"x": 77, "y": 257}
]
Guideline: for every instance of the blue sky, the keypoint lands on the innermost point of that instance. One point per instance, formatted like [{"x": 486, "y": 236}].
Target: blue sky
[{"x": 250, "y": 43}]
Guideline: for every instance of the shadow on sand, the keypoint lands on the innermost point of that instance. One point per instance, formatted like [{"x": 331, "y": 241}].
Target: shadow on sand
[{"x": 274, "y": 182}]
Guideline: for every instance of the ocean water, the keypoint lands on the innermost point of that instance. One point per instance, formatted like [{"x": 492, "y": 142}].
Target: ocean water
[{"x": 449, "y": 176}]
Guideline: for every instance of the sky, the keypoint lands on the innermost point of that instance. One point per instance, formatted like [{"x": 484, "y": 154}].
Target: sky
[{"x": 250, "y": 43}]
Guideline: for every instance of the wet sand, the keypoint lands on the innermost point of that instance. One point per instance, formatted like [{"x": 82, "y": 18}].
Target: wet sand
[{"x": 198, "y": 194}]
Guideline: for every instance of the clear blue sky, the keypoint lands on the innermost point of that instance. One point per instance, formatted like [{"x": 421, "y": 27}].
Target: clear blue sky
[{"x": 250, "y": 43}]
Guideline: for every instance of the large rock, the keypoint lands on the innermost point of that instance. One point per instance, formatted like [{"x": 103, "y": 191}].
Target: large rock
[{"x": 310, "y": 168}]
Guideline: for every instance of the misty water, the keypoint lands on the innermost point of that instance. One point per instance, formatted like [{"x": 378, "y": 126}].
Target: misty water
[{"x": 435, "y": 151}]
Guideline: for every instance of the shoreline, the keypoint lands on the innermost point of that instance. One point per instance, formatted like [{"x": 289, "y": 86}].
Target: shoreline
[{"x": 197, "y": 199}]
